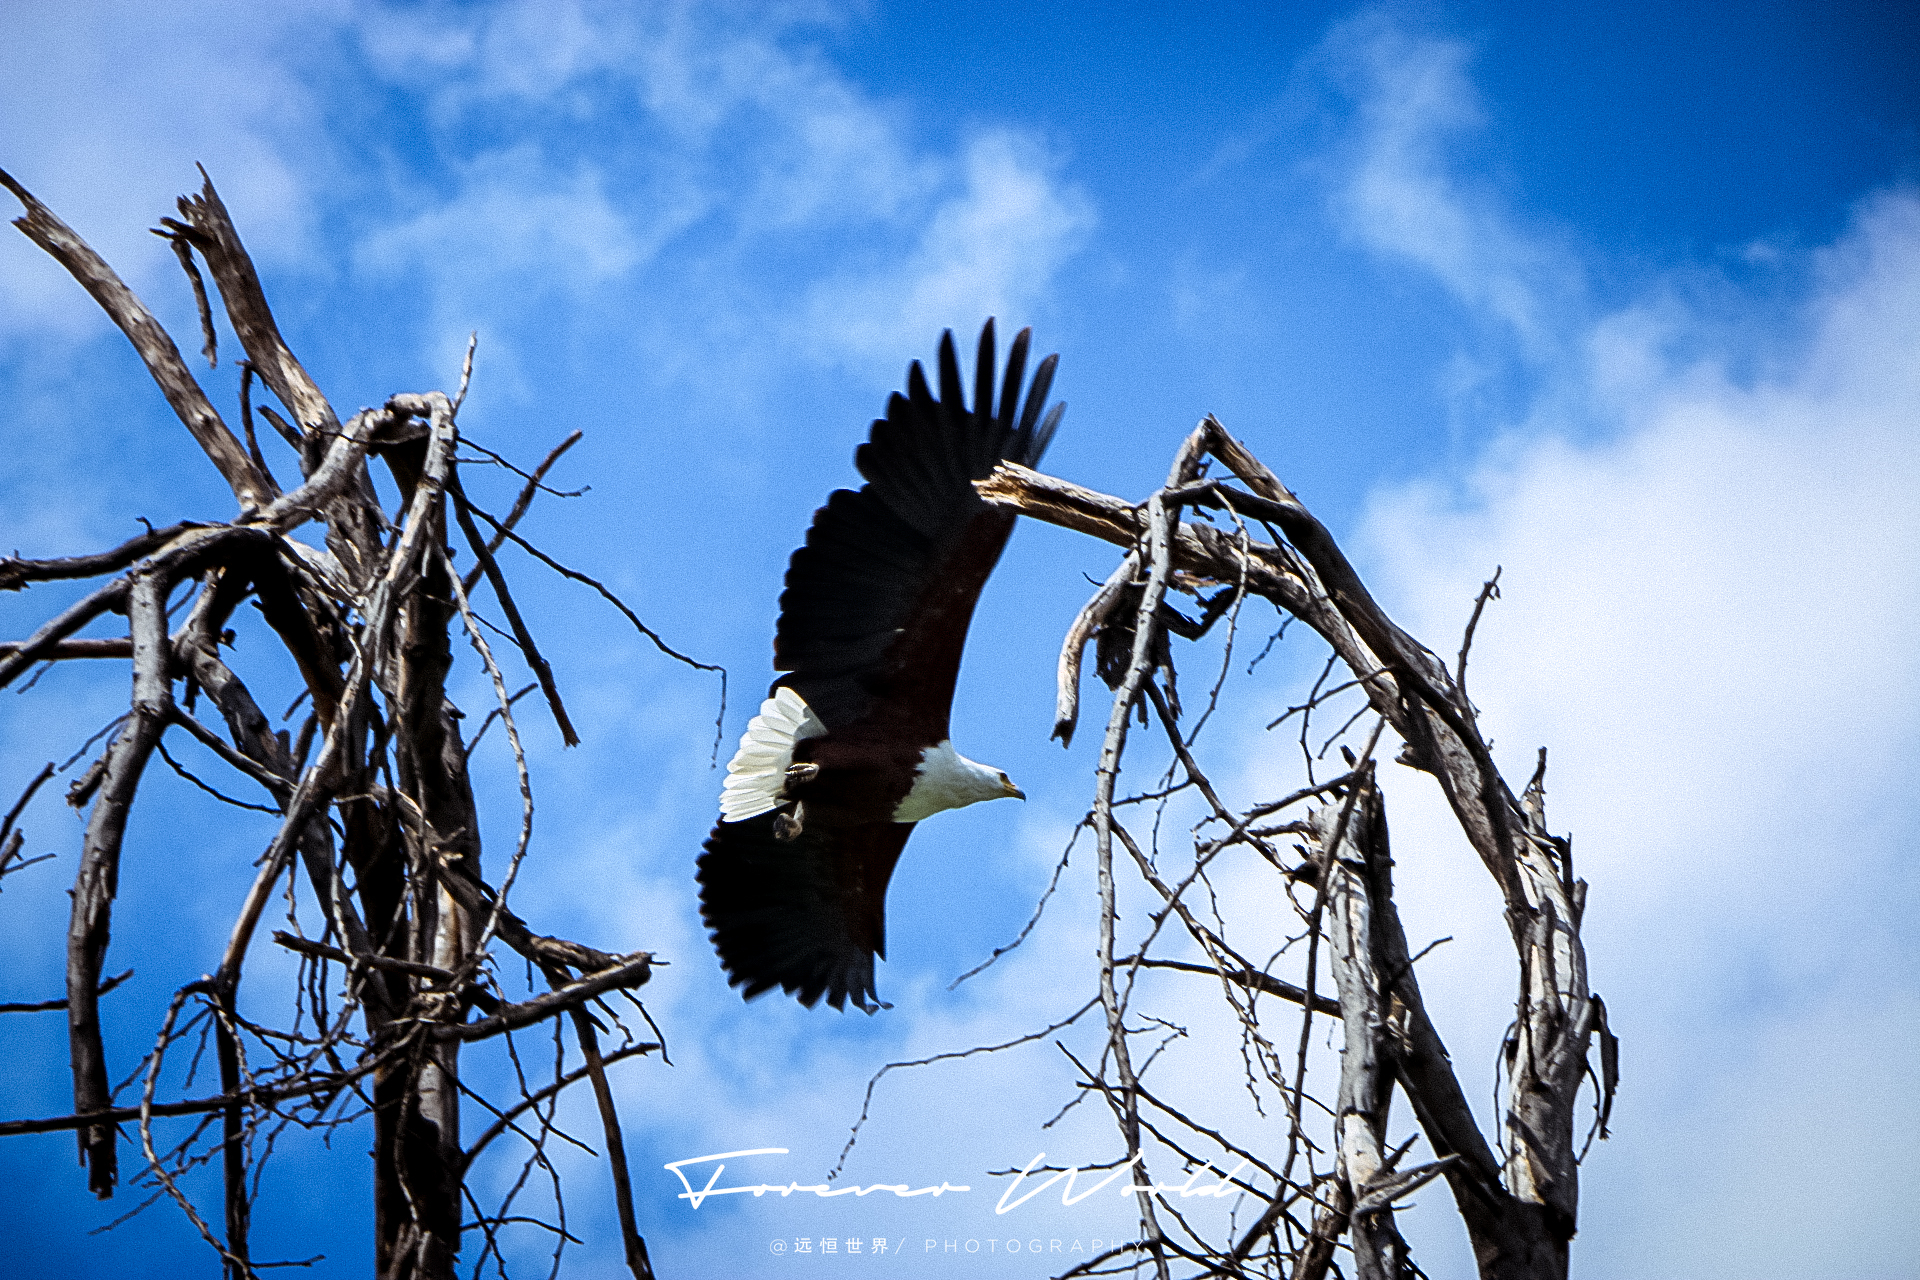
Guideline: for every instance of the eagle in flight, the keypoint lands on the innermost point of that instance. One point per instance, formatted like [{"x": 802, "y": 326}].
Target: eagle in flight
[{"x": 851, "y": 750}]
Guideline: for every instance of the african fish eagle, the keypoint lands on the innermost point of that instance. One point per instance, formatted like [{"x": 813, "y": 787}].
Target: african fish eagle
[{"x": 851, "y": 750}]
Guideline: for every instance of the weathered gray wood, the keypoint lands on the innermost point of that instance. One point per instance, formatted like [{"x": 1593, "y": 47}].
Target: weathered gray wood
[
  {"x": 16, "y": 573},
  {"x": 1366, "y": 1070},
  {"x": 1158, "y": 558},
  {"x": 156, "y": 348},
  {"x": 98, "y": 878},
  {"x": 246, "y": 305}
]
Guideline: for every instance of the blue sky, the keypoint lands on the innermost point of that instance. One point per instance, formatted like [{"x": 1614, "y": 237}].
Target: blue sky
[{"x": 1626, "y": 301}]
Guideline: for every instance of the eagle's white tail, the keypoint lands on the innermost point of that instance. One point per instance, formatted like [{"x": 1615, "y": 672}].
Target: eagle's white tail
[{"x": 758, "y": 769}]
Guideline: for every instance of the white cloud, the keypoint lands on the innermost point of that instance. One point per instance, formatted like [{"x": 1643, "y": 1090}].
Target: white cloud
[
  {"x": 1401, "y": 197},
  {"x": 818, "y": 150},
  {"x": 554, "y": 154},
  {"x": 519, "y": 237},
  {"x": 734, "y": 98},
  {"x": 991, "y": 248},
  {"x": 749, "y": 170},
  {"x": 105, "y": 110},
  {"x": 1728, "y": 576},
  {"x": 516, "y": 51},
  {"x": 517, "y": 219}
]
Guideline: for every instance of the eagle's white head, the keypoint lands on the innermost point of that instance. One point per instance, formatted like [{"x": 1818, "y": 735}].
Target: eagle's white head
[{"x": 948, "y": 780}]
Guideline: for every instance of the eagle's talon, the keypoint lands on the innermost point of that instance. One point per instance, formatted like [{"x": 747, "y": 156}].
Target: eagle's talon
[
  {"x": 788, "y": 826},
  {"x": 799, "y": 775}
]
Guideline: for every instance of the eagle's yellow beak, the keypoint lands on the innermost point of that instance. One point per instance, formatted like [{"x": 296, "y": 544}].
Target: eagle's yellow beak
[{"x": 1012, "y": 790}]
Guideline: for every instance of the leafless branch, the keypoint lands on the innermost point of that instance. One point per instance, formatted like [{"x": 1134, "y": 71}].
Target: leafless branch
[
  {"x": 149, "y": 339},
  {"x": 1489, "y": 590},
  {"x": 504, "y": 1121},
  {"x": 520, "y": 505},
  {"x": 49, "y": 1006},
  {"x": 634, "y": 971},
  {"x": 1252, "y": 979},
  {"x": 16, "y": 573},
  {"x": 528, "y": 649}
]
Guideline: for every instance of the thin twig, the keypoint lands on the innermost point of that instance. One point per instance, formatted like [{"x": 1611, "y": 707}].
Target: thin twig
[
  {"x": 183, "y": 250},
  {"x": 49, "y": 1006},
  {"x": 1252, "y": 979},
  {"x": 463, "y": 511},
  {"x": 1489, "y": 590},
  {"x": 866, "y": 1102},
  {"x": 505, "y": 1120},
  {"x": 466, "y": 372},
  {"x": 26, "y": 797},
  {"x": 632, "y": 617},
  {"x": 493, "y": 714},
  {"x": 520, "y": 505},
  {"x": 505, "y": 708},
  {"x": 246, "y": 420}
]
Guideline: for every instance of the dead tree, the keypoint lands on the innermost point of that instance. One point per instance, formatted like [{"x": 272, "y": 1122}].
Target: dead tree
[
  {"x": 376, "y": 808},
  {"x": 1335, "y": 1185}
]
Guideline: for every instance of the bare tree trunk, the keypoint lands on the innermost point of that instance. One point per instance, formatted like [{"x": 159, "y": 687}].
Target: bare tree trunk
[
  {"x": 98, "y": 879},
  {"x": 1366, "y": 1071}
]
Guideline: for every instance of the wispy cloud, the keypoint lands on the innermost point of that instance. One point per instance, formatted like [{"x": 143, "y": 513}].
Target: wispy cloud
[
  {"x": 519, "y": 238},
  {"x": 1402, "y": 195},
  {"x": 729, "y": 164},
  {"x": 992, "y": 247},
  {"x": 525, "y": 157},
  {"x": 110, "y": 106}
]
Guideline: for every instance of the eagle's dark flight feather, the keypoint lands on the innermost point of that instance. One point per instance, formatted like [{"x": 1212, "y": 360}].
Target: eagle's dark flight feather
[
  {"x": 874, "y": 556},
  {"x": 804, "y": 914}
]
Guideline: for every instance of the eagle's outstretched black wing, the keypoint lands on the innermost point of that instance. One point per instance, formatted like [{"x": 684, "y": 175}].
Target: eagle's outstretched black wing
[
  {"x": 878, "y": 600},
  {"x": 806, "y": 915}
]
